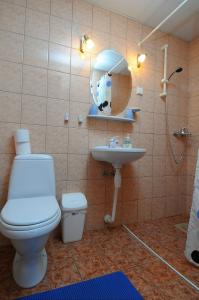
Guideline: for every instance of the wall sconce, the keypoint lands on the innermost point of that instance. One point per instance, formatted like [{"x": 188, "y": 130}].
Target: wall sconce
[
  {"x": 86, "y": 44},
  {"x": 140, "y": 59}
]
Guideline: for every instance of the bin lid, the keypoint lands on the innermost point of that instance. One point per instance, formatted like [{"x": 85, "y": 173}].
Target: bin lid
[{"x": 73, "y": 201}]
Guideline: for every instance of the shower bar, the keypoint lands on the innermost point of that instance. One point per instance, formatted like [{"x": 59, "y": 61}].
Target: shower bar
[
  {"x": 165, "y": 80},
  {"x": 161, "y": 23}
]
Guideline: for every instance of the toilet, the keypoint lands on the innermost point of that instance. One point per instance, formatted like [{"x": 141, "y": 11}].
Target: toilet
[{"x": 30, "y": 214}]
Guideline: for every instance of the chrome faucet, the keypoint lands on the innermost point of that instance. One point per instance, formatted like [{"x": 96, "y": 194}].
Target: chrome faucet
[{"x": 182, "y": 132}]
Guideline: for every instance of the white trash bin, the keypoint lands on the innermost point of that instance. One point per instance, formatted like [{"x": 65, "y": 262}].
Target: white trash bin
[{"x": 73, "y": 206}]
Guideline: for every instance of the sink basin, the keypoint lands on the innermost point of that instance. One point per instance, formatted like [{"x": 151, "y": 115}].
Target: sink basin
[{"x": 117, "y": 156}]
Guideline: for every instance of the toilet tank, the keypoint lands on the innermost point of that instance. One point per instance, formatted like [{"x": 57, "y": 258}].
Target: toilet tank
[{"x": 32, "y": 175}]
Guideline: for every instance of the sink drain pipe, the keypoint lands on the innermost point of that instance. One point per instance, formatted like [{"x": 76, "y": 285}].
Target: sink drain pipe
[{"x": 109, "y": 219}]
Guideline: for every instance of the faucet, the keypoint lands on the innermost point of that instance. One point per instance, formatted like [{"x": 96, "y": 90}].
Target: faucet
[
  {"x": 182, "y": 132},
  {"x": 113, "y": 142}
]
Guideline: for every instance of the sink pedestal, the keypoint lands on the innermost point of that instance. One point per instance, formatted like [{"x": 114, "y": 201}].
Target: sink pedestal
[{"x": 117, "y": 182}]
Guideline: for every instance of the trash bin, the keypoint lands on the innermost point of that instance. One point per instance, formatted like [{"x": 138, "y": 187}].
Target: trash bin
[{"x": 73, "y": 206}]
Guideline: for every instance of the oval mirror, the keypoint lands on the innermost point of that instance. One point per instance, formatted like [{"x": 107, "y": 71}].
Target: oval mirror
[{"x": 111, "y": 82}]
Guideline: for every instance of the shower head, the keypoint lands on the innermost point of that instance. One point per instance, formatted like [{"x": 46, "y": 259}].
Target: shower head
[{"x": 178, "y": 70}]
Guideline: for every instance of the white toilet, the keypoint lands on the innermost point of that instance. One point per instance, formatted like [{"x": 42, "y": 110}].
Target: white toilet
[{"x": 29, "y": 215}]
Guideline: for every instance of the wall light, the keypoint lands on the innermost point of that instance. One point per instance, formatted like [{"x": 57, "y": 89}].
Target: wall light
[
  {"x": 86, "y": 44},
  {"x": 140, "y": 59}
]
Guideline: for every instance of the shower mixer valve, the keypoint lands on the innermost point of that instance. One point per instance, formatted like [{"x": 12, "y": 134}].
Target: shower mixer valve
[{"x": 182, "y": 132}]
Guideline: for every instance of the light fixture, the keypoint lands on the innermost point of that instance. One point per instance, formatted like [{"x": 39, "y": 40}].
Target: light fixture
[
  {"x": 140, "y": 59},
  {"x": 86, "y": 43}
]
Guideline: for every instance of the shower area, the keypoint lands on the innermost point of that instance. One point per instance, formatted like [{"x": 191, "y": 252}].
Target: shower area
[{"x": 172, "y": 225}]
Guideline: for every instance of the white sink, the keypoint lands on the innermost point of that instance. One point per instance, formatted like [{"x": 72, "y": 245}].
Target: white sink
[{"x": 117, "y": 156}]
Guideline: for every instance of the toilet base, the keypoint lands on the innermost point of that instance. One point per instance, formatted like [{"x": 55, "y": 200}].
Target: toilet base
[{"x": 29, "y": 271}]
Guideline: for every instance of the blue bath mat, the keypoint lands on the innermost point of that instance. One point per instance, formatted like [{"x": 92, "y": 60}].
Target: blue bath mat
[{"x": 115, "y": 286}]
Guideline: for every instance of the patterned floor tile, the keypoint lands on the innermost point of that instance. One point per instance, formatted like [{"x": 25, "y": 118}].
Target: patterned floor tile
[{"x": 102, "y": 252}]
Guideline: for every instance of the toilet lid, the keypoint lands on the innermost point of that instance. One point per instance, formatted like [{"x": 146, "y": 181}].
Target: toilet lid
[{"x": 29, "y": 211}]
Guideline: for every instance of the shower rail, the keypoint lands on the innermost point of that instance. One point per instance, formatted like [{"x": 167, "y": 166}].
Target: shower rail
[{"x": 163, "y": 21}]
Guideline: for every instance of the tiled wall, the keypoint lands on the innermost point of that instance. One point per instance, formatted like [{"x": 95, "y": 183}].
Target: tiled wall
[
  {"x": 193, "y": 116},
  {"x": 42, "y": 76}
]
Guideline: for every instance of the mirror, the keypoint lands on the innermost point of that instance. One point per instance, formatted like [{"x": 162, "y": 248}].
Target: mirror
[{"x": 111, "y": 82}]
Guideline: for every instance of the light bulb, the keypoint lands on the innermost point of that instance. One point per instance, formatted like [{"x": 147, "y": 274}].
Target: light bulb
[
  {"x": 89, "y": 44},
  {"x": 140, "y": 59},
  {"x": 86, "y": 44}
]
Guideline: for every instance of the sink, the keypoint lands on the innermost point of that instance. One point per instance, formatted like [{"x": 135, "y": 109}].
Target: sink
[{"x": 117, "y": 156}]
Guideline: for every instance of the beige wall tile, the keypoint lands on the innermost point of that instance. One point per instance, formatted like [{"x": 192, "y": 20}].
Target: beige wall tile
[
  {"x": 59, "y": 58},
  {"x": 78, "y": 141},
  {"x": 5, "y": 166},
  {"x": 7, "y": 131},
  {"x": 11, "y": 46},
  {"x": 159, "y": 186},
  {"x": 10, "y": 76},
  {"x": 80, "y": 89},
  {"x": 101, "y": 19},
  {"x": 146, "y": 122},
  {"x": 82, "y": 12},
  {"x": 80, "y": 65},
  {"x": 79, "y": 109},
  {"x": 77, "y": 167},
  {"x": 35, "y": 52},
  {"x": 10, "y": 107},
  {"x": 159, "y": 124},
  {"x": 96, "y": 169},
  {"x": 172, "y": 208},
  {"x": 96, "y": 191},
  {"x": 37, "y": 137},
  {"x": 61, "y": 188},
  {"x": 56, "y": 110},
  {"x": 33, "y": 110},
  {"x": 62, "y": 9},
  {"x": 43, "y": 6},
  {"x": 146, "y": 141},
  {"x": 145, "y": 187},
  {"x": 159, "y": 144},
  {"x": 60, "y": 31},
  {"x": 130, "y": 189},
  {"x": 145, "y": 166},
  {"x": 130, "y": 212},
  {"x": 118, "y": 44},
  {"x": 56, "y": 139},
  {"x": 102, "y": 41},
  {"x": 58, "y": 85},
  {"x": 76, "y": 186},
  {"x": 17, "y": 2},
  {"x": 159, "y": 166},
  {"x": 95, "y": 217},
  {"x": 158, "y": 207},
  {"x": 133, "y": 31},
  {"x": 12, "y": 17},
  {"x": 3, "y": 198},
  {"x": 118, "y": 25},
  {"x": 34, "y": 81},
  {"x": 61, "y": 165},
  {"x": 144, "y": 209},
  {"x": 37, "y": 24}
]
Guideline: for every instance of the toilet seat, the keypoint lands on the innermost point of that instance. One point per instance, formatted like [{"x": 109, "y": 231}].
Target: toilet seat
[
  {"x": 29, "y": 217},
  {"x": 29, "y": 211}
]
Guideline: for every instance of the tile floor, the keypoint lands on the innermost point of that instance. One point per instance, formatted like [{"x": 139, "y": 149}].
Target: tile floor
[
  {"x": 100, "y": 252},
  {"x": 169, "y": 242}
]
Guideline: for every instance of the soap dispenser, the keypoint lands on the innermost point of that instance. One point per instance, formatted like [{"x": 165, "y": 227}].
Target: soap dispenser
[{"x": 127, "y": 143}]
